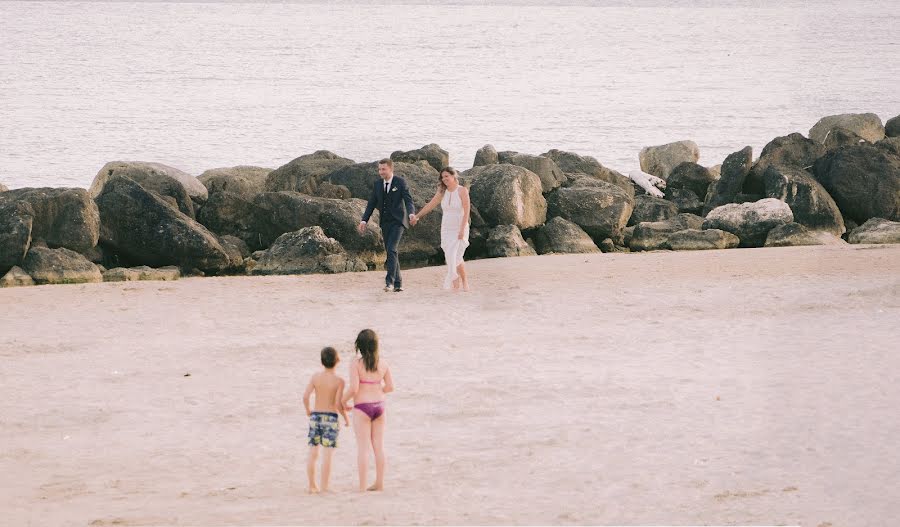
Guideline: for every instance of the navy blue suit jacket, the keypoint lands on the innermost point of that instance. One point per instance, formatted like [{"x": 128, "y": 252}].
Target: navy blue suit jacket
[{"x": 396, "y": 205}]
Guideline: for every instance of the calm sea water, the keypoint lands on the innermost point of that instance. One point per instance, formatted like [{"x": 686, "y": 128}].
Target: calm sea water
[{"x": 204, "y": 85}]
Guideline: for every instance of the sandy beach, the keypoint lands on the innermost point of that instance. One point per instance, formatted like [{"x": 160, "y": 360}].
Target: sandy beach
[{"x": 751, "y": 386}]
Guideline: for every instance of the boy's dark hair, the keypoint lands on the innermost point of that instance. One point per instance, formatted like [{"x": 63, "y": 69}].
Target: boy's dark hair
[{"x": 329, "y": 357}]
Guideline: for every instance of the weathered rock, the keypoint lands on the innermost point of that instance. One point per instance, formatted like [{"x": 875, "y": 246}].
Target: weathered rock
[
  {"x": 649, "y": 208},
  {"x": 890, "y": 145},
  {"x": 876, "y": 230},
  {"x": 660, "y": 160},
  {"x": 147, "y": 230},
  {"x": 237, "y": 243},
  {"x": 3, "y": 188},
  {"x": 574, "y": 164},
  {"x": 359, "y": 179},
  {"x": 892, "y": 127},
  {"x": 129, "y": 274},
  {"x": 486, "y": 155},
  {"x": 810, "y": 203},
  {"x": 292, "y": 211},
  {"x": 236, "y": 250},
  {"x": 793, "y": 150},
  {"x": 16, "y": 277},
  {"x": 700, "y": 240},
  {"x": 840, "y": 137},
  {"x": 866, "y": 125},
  {"x": 690, "y": 176},
  {"x": 63, "y": 217},
  {"x": 305, "y": 173},
  {"x": 225, "y": 213},
  {"x": 545, "y": 168},
  {"x": 652, "y": 236},
  {"x": 506, "y": 240},
  {"x": 734, "y": 171},
  {"x": 243, "y": 181},
  {"x": 750, "y": 222},
  {"x": 169, "y": 183},
  {"x": 16, "y": 219},
  {"x": 795, "y": 234},
  {"x": 562, "y": 236},
  {"x": 864, "y": 181},
  {"x": 434, "y": 155},
  {"x": 306, "y": 251},
  {"x": 587, "y": 180},
  {"x": 602, "y": 211},
  {"x": 59, "y": 266},
  {"x": 508, "y": 195},
  {"x": 685, "y": 200}
]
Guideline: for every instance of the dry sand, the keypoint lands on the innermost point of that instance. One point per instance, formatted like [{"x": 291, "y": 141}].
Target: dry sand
[{"x": 755, "y": 386}]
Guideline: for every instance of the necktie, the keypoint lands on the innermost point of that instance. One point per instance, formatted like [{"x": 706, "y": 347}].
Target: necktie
[{"x": 386, "y": 187}]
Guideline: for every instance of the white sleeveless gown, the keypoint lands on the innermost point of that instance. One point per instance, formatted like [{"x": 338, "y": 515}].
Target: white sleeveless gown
[{"x": 454, "y": 248}]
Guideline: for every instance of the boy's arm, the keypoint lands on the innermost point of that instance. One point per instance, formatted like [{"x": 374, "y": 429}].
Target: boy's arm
[
  {"x": 306, "y": 394},
  {"x": 339, "y": 403}
]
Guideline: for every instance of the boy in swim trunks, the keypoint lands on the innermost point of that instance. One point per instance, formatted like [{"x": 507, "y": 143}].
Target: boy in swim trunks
[{"x": 323, "y": 419}]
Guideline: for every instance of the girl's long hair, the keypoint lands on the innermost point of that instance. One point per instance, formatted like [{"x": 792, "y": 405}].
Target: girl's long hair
[{"x": 367, "y": 346}]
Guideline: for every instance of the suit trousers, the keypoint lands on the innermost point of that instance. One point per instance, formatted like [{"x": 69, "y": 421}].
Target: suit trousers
[{"x": 392, "y": 232}]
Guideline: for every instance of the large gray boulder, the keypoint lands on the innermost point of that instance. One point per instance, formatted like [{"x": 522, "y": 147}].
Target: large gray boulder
[
  {"x": 145, "y": 229},
  {"x": 700, "y": 240},
  {"x": 793, "y": 150},
  {"x": 433, "y": 154},
  {"x": 16, "y": 219},
  {"x": 662, "y": 159},
  {"x": 866, "y": 125},
  {"x": 305, "y": 173},
  {"x": 795, "y": 234},
  {"x": 652, "y": 236},
  {"x": 545, "y": 168},
  {"x": 876, "y": 230},
  {"x": 63, "y": 217},
  {"x": 841, "y": 137},
  {"x": 650, "y": 208},
  {"x": 154, "y": 177},
  {"x": 338, "y": 219},
  {"x": 810, "y": 203},
  {"x": 890, "y": 145},
  {"x": 243, "y": 181},
  {"x": 142, "y": 273},
  {"x": 562, "y": 236},
  {"x": 691, "y": 176},
  {"x": 167, "y": 182},
  {"x": 16, "y": 277},
  {"x": 508, "y": 195},
  {"x": 731, "y": 182},
  {"x": 307, "y": 251},
  {"x": 59, "y": 266},
  {"x": 486, "y": 155},
  {"x": 892, "y": 127},
  {"x": 602, "y": 210},
  {"x": 360, "y": 178},
  {"x": 506, "y": 240},
  {"x": 864, "y": 181},
  {"x": 750, "y": 222},
  {"x": 573, "y": 164},
  {"x": 586, "y": 180},
  {"x": 230, "y": 214}
]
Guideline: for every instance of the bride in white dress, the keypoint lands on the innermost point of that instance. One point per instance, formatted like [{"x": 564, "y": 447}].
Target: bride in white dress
[{"x": 454, "y": 201}]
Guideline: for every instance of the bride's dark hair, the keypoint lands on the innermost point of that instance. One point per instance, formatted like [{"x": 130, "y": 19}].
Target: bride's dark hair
[
  {"x": 450, "y": 170},
  {"x": 367, "y": 345}
]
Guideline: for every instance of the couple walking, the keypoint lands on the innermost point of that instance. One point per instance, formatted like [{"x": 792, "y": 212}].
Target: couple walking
[{"x": 391, "y": 197}]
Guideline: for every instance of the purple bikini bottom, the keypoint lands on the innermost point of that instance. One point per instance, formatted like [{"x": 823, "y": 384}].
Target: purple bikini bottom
[{"x": 373, "y": 410}]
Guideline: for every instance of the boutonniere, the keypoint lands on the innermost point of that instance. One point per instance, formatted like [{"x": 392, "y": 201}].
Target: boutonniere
[{"x": 394, "y": 189}]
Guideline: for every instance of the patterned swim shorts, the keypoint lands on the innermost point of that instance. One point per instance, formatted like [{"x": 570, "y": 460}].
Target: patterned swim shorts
[{"x": 323, "y": 429}]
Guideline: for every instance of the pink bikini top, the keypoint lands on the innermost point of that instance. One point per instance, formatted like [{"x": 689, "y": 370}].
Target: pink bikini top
[{"x": 361, "y": 381}]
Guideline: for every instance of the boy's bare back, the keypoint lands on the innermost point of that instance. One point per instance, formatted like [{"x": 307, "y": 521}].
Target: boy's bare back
[{"x": 328, "y": 388}]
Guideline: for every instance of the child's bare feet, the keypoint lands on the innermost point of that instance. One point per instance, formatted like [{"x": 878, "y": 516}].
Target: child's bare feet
[{"x": 376, "y": 487}]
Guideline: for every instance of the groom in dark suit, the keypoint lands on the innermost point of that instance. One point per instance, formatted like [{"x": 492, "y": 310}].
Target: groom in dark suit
[{"x": 391, "y": 197}]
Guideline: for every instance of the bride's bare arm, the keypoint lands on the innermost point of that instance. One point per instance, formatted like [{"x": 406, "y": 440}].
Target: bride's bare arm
[{"x": 430, "y": 206}]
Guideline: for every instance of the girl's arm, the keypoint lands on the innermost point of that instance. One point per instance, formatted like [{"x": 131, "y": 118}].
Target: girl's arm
[
  {"x": 353, "y": 387},
  {"x": 306, "y": 394},
  {"x": 464, "y": 198},
  {"x": 430, "y": 206},
  {"x": 388, "y": 382},
  {"x": 340, "y": 404}
]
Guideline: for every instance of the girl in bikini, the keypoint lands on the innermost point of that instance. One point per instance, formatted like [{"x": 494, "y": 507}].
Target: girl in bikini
[{"x": 370, "y": 380}]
